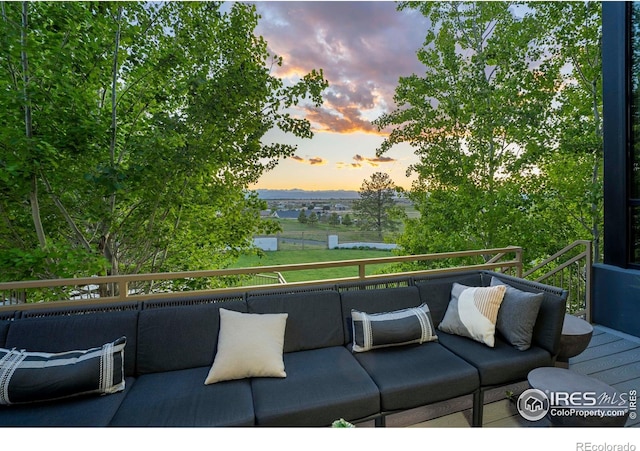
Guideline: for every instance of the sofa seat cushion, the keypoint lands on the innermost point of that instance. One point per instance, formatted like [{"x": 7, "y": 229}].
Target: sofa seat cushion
[
  {"x": 82, "y": 411},
  {"x": 180, "y": 398},
  {"x": 322, "y": 385},
  {"x": 417, "y": 375},
  {"x": 499, "y": 365}
]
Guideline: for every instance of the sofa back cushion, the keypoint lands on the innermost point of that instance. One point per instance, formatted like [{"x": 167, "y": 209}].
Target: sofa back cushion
[
  {"x": 315, "y": 318},
  {"x": 176, "y": 338},
  {"x": 74, "y": 332},
  {"x": 435, "y": 290},
  {"x": 4, "y": 328},
  {"x": 375, "y": 301}
]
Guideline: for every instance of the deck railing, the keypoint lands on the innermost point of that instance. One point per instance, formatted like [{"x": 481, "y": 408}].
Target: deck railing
[
  {"x": 569, "y": 268},
  {"x": 24, "y": 295}
]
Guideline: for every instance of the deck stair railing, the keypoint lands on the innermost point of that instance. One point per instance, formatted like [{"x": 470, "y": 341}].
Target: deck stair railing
[{"x": 571, "y": 269}]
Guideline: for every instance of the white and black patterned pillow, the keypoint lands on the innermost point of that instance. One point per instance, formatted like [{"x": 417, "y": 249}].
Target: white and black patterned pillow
[
  {"x": 27, "y": 377},
  {"x": 400, "y": 327}
]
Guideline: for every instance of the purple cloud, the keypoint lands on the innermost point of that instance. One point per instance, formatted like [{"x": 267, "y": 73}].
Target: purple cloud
[
  {"x": 314, "y": 161},
  {"x": 363, "y": 48},
  {"x": 375, "y": 162}
]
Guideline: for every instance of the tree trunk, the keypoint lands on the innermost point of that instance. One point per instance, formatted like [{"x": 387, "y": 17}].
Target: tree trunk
[{"x": 28, "y": 125}]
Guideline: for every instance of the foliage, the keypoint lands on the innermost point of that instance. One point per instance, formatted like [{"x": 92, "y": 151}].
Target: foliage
[
  {"x": 312, "y": 219},
  {"x": 334, "y": 219},
  {"x": 302, "y": 217},
  {"x": 487, "y": 119},
  {"x": 341, "y": 423},
  {"x": 571, "y": 175},
  {"x": 131, "y": 132},
  {"x": 347, "y": 221},
  {"x": 376, "y": 209}
]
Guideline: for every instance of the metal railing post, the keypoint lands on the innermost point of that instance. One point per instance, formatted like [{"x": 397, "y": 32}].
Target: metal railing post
[{"x": 587, "y": 276}]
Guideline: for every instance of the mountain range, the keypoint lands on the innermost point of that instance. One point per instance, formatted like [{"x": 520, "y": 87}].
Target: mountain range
[{"x": 269, "y": 194}]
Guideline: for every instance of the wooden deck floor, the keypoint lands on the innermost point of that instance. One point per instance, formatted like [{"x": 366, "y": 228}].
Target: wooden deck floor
[{"x": 611, "y": 357}]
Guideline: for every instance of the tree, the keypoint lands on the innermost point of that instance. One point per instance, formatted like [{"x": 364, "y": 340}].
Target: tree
[
  {"x": 334, "y": 219},
  {"x": 131, "y": 133},
  {"x": 475, "y": 118},
  {"x": 572, "y": 174},
  {"x": 347, "y": 221},
  {"x": 376, "y": 209},
  {"x": 313, "y": 219},
  {"x": 302, "y": 217}
]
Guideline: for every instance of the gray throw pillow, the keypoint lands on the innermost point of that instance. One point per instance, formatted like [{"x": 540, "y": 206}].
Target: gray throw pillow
[{"x": 517, "y": 315}]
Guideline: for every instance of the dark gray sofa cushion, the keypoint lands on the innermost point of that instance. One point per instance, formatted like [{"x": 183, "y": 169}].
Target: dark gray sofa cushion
[
  {"x": 315, "y": 318},
  {"x": 85, "y": 411},
  {"x": 4, "y": 328},
  {"x": 322, "y": 385},
  {"x": 176, "y": 338},
  {"x": 376, "y": 301},
  {"x": 435, "y": 290},
  {"x": 499, "y": 365},
  {"x": 415, "y": 375},
  {"x": 180, "y": 399},
  {"x": 70, "y": 332}
]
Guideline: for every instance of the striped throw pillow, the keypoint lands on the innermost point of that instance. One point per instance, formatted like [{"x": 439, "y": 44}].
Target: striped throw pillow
[
  {"x": 473, "y": 312},
  {"x": 400, "y": 327},
  {"x": 27, "y": 377}
]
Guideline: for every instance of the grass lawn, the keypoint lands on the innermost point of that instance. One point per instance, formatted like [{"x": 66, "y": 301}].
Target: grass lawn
[
  {"x": 289, "y": 257},
  {"x": 319, "y": 232}
]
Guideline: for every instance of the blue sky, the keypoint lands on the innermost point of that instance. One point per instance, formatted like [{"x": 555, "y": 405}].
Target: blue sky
[{"x": 363, "y": 48}]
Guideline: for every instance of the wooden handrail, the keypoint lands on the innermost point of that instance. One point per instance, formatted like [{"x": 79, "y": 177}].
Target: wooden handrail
[{"x": 123, "y": 281}]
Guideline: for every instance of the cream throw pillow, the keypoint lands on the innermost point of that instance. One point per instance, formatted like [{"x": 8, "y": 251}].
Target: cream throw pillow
[
  {"x": 249, "y": 345},
  {"x": 473, "y": 312}
]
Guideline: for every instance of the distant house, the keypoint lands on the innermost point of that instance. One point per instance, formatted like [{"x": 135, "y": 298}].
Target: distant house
[
  {"x": 289, "y": 214},
  {"x": 264, "y": 214}
]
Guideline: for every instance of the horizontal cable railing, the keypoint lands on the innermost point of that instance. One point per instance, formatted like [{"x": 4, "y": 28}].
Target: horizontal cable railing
[{"x": 133, "y": 287}]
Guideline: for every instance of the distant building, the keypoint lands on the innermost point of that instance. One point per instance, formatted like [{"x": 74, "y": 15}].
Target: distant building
[{"x": 290, "y": 214}]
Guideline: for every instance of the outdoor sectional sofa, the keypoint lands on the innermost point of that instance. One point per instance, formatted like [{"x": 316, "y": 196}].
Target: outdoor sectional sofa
[{"x": 171, "y": 345}]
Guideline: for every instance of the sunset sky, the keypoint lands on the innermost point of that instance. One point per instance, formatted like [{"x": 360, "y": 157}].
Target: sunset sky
[{"x": 363, "y": 48}]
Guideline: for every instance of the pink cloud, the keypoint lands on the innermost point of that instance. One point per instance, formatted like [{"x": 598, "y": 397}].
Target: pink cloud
[{"x": 362, "y": 46}]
